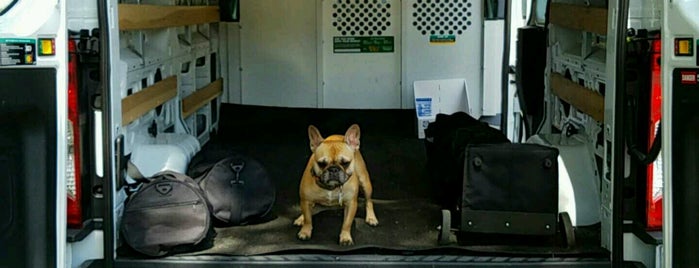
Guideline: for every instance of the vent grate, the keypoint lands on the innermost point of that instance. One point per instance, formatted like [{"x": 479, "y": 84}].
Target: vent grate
[
  {"x": 431, "y": 17},
  {"x": 362, "y": 17}
]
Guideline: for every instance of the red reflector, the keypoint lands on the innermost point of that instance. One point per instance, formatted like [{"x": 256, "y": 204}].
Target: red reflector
[
  {"x": 73, "y": 182},
  {"x": 654, "y": 195}
]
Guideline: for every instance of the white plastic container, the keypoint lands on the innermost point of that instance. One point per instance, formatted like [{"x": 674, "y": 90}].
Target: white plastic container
[
  {"x": 445, "y": 96},
  {"x": 578, "y": 185},
  {"x": 168, "y": 151}
]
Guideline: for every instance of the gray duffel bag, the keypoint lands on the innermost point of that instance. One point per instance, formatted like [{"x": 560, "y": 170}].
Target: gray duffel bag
[{"x": 168, "y": 214}]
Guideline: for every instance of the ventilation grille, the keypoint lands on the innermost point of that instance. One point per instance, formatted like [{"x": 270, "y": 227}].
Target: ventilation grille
[
  {"x": 451, "y": 17},
  {"x": 362, "y": 17}
]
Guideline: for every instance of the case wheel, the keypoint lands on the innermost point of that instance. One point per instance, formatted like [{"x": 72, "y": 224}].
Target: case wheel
[
  {"x": 567, "y": 228},
  {"x": 445, "y": 235}
]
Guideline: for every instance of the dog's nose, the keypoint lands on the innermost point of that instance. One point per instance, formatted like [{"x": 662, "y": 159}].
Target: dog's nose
[{"x": 334, "y": 169}]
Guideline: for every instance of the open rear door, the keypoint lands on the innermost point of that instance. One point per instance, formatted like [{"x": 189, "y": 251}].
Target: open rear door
[
  {"x": 680, "y": 63},
  {"x": 32, "y": 133},
  {"x": 28, "y": 167}
]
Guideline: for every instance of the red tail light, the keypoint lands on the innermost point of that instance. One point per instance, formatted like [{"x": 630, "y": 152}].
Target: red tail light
[
  {"x": 654, "y": 192},
  {"x": 75, "y": 218}
]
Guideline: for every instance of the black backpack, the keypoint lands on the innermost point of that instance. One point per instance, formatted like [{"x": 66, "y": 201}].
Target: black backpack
[
  {"x": 237, "y": 186},
  {"x": 169, "y": 213}
]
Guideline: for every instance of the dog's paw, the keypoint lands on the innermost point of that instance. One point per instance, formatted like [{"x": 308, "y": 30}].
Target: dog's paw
[
  {"x": 299, "y": 221},
  {"x": 371, "y": 221},
  {"x": 304, "y": 234},
  {"x": 346, "y": 239}
]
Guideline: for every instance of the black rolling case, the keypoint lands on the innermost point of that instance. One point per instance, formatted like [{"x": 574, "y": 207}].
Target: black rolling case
[
  {"x": 510, "y": 189},
  {"x": 507, "y": 189}
]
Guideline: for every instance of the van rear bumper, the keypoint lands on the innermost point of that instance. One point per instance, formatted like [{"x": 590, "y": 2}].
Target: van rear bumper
[{"x": 325, "y": 260}]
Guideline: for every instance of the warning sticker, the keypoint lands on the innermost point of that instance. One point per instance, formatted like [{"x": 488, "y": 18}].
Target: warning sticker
[
  {"x": 363, "y": 44},
  {"x": 17, "y": 51},
  {"x": 689, "y": 77}
]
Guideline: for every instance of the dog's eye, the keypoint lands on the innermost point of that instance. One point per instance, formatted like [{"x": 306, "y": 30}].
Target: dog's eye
[
  {"x": 344, "y": 163},
  {"x": 322, "y": 164}
]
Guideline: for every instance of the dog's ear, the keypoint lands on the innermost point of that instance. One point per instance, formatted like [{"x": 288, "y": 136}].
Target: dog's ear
[
  {"x": 314, "y": 137},
  {"x": 352, "y": 136}
]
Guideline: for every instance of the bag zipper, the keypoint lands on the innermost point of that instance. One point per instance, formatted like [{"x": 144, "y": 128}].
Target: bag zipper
[{"x": 169, "y": 205}]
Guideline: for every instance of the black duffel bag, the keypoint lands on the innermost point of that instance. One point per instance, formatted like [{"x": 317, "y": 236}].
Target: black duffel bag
[
  {"x": 237, "y": 186},
  {"x": 168, "y": 214},
  {"x": 445, "y": 142}
]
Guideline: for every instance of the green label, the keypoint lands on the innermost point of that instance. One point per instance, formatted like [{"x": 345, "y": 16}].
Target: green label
[
  {"x": 17, "y": 51},
  {"x": 442, "y": 39},
  {"x": 363, "y": 44},
  {"x": 17, "y": 40}
]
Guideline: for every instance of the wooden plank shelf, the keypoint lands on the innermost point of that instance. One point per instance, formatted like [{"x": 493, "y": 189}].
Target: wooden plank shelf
[
  {"x": 139, "y": 103},
  {"x": 140, "y": 17},
  {"x": 201, "y": 97},
  {"x": 578, "y": 17},
  {"x": 582, "y": 98}
]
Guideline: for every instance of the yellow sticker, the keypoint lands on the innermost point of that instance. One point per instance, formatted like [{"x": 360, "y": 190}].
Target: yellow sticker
[
  {"x": 683, "y": 46},
  {"x": 46, "y": 46}
]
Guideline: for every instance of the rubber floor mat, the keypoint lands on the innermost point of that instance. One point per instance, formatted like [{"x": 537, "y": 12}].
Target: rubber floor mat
[{"x": 403, "y": 225}]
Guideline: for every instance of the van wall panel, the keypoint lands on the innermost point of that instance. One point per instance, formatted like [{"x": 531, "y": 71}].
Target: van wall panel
[{"x": 278, "y": 56}]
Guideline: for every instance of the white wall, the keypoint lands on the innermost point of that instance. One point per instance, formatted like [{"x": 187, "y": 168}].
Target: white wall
[
  {"x": 424, "y": 60},
  {"x": 286, "y": 57},
  {"x": 230, "y": 67},
  {"x": 278, "y": 53},
  {"x": 361, "y": 80}
]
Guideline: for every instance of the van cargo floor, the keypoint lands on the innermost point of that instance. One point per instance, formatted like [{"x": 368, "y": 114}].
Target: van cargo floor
[
  {"x": 404, "y": 225},
  {"x": 403, "y": 192}
]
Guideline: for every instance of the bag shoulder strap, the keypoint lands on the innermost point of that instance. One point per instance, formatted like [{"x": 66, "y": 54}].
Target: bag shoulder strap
[{"x": 135, "y": 174}]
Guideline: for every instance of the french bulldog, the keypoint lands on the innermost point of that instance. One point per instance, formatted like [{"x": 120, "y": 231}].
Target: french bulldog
[{"x": 333, "y": 177}]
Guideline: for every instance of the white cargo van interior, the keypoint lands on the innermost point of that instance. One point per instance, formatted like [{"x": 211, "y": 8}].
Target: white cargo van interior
[
  {"x": 255, "y": 84},
  {"x": 163, "y": 81}
]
